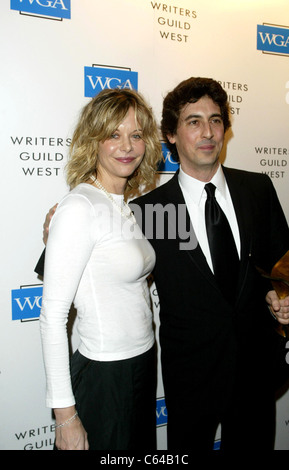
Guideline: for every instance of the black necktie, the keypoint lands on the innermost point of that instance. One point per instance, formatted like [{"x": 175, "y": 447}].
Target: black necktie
[{"x": 223, "y": 249}]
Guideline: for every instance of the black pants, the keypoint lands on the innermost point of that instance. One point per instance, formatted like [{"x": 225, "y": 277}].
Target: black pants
[
  {"x": 246, "y": 429},
  {"x": 246, "y": 415},
  {"x": 116, "y": 401}
]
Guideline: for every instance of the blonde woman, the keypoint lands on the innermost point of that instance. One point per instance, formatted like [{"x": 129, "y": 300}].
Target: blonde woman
[{"x": 98, "y": 259}]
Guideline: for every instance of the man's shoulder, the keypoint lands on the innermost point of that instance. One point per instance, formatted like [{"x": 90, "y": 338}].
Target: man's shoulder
[
  {"x": 158, "y": 194},
  {"x": 245, "y": 176}
]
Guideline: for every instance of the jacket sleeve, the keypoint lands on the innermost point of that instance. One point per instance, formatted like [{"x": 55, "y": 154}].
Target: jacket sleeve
[{"x": 39, "y": 268}]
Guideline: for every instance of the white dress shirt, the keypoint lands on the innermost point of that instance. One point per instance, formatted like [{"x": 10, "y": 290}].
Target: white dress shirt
[{"x": 195, "y": 197}]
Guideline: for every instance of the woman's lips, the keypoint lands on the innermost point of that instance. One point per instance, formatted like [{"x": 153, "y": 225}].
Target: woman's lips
[{"x": 125, "y": 160}]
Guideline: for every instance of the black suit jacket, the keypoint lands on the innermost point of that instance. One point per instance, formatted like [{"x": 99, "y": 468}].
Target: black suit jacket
[{"x": 205, "y": 342}]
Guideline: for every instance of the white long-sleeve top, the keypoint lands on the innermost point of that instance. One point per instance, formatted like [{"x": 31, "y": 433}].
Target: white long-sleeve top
[{"x": 99, "y": 261}]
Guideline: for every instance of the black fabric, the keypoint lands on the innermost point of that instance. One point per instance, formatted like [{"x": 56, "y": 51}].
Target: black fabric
[
  {"x": 39, "y": 268},
  {"x": 222, "y": 245},
  {"x": 116, "y": 401}
]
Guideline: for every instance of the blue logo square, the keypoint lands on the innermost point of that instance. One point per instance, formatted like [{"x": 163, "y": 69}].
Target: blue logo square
[
  {"x": 97, "y": 79},
  {"x": 161, "y": 412},
  {"x": 53, "y": 8},
  {"x": 168, "y": 164},
  {"x": 26, "y": 303},
  {"x": 273, "y": 39}
]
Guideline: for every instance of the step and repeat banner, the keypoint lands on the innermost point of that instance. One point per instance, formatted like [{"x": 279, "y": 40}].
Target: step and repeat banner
[{"x": 55, "y": 55}]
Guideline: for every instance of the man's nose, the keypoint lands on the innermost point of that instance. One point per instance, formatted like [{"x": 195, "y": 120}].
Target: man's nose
[{"x": 207, "y": 130}]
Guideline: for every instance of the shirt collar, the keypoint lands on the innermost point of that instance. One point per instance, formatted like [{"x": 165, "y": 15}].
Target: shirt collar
[
  {"x": 219, "y": 181},
  {"x": 196, "y": 188}
]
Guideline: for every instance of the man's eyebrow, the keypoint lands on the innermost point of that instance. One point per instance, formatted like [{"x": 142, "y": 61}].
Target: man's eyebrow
[
  {"x": 216, "y": 115},
  {"x": 191, "y": 116},
  {"x": 194, "y": 116}
]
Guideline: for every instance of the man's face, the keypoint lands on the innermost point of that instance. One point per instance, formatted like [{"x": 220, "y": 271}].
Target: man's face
[{"x": 199, "y": 138}]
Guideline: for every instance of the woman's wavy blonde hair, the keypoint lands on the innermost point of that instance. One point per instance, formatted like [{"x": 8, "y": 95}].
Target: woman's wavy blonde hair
[{"x": 98, "y": 121}]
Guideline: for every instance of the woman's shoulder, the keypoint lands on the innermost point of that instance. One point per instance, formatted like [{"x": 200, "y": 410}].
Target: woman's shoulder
[{"x": 83, "y": 193}]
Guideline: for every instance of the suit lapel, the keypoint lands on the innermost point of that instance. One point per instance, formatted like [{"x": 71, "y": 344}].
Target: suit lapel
[
  {"x": 241, "y": 202},
  {"x": 174, "y": 195}
]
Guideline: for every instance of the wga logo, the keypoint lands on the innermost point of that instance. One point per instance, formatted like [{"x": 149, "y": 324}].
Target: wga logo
[
  {"x": 26, "y": 303},
  {"x": 161, "y": 412},
  {"x": 273, "y": 39},
  {"x": 167, "y": 164},
  {"x": 98, "y": 78},
  {"x": 56, "y": 9}
]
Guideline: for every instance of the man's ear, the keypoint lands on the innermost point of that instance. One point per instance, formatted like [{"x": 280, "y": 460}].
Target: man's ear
[{"x": 171, "y": 138}]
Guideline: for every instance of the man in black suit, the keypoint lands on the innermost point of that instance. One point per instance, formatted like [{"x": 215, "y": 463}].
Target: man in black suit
[{"x": 219, "y": 355}]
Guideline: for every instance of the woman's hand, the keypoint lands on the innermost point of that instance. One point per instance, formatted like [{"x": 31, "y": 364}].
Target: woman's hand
[{"x": 72, "y": 435}]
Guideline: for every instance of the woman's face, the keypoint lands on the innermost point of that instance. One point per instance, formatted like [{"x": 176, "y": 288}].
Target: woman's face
[{"x": 121, "y": 154}]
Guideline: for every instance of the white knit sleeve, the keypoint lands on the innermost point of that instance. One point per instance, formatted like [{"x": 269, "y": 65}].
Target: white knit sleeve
[{"x": 69, "y": 247}]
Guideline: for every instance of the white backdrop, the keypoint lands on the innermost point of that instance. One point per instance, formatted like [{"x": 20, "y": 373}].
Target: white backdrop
[{"x": 52, "y": 54}]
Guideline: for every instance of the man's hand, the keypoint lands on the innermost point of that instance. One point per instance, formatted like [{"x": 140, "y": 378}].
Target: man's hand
[
  {"x": 47, "y": 222},
  {"x": 278, "y": 307}
]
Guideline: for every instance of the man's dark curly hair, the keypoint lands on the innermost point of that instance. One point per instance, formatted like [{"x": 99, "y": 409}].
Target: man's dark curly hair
[{"x": 190, "y": 91}]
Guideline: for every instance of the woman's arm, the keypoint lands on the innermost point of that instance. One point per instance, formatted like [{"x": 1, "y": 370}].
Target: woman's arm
[{"x": 68, "y": 250}]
